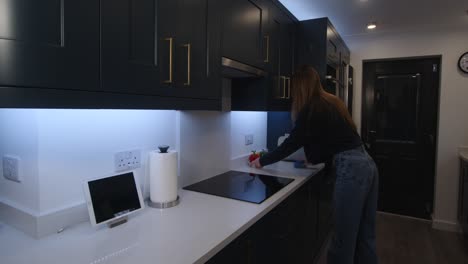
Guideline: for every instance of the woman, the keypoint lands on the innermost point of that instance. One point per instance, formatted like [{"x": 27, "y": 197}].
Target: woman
[{"x": 325, "y": 129}]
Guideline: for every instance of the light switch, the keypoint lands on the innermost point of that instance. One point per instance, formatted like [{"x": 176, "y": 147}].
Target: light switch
[{"x": 11, "y": 167}]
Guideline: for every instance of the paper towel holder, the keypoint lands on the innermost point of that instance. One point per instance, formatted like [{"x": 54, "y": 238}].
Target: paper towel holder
[
  {"x": 164, "y": 205},
  {"x": 163, "y": 148}
]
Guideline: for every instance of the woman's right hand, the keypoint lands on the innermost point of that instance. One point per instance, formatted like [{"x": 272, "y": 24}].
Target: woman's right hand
[{"x": 256, "y": 164}]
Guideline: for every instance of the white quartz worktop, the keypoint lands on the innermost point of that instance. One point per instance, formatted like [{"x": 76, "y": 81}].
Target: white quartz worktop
[{"x": 192, "y": 232}]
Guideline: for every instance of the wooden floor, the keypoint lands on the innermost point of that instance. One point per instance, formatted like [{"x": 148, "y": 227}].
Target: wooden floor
[{"x": 403, "y": 240}]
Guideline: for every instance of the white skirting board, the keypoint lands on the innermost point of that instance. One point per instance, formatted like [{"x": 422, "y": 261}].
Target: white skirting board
[
  {"x": 19, "y": 219},
  {"x": 53, "y": 222},
  {"x": 446, "y": 226},
  {"x": 41, "y": 225},
  {"x": 436, "y": 224}
]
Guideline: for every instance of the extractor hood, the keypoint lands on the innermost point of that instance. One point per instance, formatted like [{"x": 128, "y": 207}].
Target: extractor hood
[{"x": 236, "y": 69}]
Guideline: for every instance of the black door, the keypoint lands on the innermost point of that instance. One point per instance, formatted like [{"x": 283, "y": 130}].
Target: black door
[
  {"x": 399, "y": 126},
  {"x": 49, "y": 44}
]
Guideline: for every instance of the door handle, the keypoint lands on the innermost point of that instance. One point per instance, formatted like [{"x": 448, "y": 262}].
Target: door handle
[
  {"x": 429, "y": 138},
  {"x": 171, "y": 41},
  {"x": 370, "y": 138},
  {"x": 267, "y": 59},
  {"x": 189, "y": 55}
]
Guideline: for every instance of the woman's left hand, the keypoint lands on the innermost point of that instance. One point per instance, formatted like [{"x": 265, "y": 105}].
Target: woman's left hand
[{"x": 256, "y": 164}]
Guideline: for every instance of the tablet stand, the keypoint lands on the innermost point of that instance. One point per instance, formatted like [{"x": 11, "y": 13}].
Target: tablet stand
[{"x": 117, "y": 222}]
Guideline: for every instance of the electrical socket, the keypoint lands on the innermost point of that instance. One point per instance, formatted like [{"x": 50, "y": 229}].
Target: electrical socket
[
  {"x": 127, "y": 160},
  {"x": 248, "y": 139},
  {"x": 11, "y": 168}
]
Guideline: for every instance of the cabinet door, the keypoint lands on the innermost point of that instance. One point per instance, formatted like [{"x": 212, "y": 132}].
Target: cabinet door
[
  {"x": 286, "y": 56},
  {"x": 333, "y": 46},
  {"x": 191, "y": 51},
  {"x": 287, "y": 47},
  {"x": 276, "y": 88},
  {"x": 155, "y": 47},
  {"x": 129, "y": 46},
  {"x": 49, "y": 44},
  {"x": 238, "y": 251},
  {"x": 282, "y": 60},
  {"x": 242, "y": 31}
]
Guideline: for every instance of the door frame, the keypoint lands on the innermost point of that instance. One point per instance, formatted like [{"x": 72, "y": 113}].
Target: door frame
[{"x": 364, "y": 106}]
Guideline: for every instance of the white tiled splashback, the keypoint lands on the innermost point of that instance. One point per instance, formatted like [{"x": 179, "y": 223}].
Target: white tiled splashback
[{"x": 62, "y": 148}]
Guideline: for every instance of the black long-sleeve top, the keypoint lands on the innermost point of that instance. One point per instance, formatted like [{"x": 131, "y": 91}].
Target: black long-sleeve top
[{"x": 322, "y": 134}]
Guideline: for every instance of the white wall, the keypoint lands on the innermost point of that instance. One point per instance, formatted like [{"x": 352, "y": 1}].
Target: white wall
[
  {"x": 453, "y": 123},
  {"x": 60, "y": 149},
  {"x": 244, "y": 123},
  {"x": 210, "y": 140},
  {"x": 204, "y": 149},
  {"x": 18, "y": 137}
]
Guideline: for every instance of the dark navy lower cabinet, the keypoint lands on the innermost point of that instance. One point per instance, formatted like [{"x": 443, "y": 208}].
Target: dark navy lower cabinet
[{"x": 287, "y": 234}]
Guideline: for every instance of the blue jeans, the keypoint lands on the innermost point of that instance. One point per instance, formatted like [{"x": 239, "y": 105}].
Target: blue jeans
[{"x": 356, "y": 191}]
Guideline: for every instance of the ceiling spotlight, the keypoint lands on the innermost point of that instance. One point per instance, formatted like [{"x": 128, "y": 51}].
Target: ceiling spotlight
[{"x": 371, "y": 25}]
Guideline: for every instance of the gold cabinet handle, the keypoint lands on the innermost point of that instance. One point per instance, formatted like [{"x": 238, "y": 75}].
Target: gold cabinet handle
[
  {"x": 267, "y": 59},
  {"x": 189, "y": 55},
  {"x": 171, "y": 41}
]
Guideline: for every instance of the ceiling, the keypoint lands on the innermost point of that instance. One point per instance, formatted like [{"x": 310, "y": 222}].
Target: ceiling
[{"x": 350, "y": 17}]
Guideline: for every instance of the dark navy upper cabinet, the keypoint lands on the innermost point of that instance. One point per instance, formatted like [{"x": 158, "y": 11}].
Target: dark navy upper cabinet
[
  {"x": 156, "y": 48},
  {"x": 320, "y": 45},
  {"x": 146, "y": 54},
  {"x": 283, "y": 27},
  {"x": 129, "y": 46},
  {"x": 242, "y": 32},
  {"x": 273, "y": 92},
  {"x": 130, "y": 54},
  {"x": 49, "y": 44}
]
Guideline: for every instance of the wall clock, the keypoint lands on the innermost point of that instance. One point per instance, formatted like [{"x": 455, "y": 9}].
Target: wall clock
[{"x": 463, "y": 63}]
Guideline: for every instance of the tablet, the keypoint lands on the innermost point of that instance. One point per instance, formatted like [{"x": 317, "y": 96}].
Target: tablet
[{"x": 111, "y": 198}]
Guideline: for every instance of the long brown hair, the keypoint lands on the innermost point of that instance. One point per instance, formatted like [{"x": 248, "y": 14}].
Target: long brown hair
[{"x": 308, "y": 91}]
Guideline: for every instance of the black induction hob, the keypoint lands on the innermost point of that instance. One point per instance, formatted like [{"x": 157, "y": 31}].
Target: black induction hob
[{"x": 243, "y": 186}]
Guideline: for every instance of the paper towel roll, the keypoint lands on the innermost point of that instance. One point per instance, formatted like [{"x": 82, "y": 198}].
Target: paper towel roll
[{"x": 163, "y": 176}]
